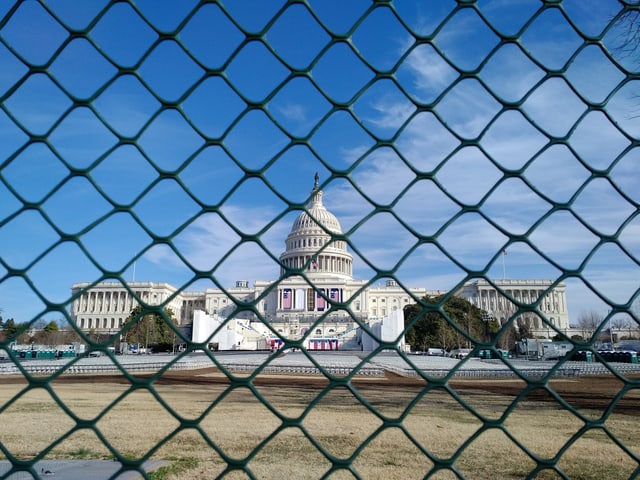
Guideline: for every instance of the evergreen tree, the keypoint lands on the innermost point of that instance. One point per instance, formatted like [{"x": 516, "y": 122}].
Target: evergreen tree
[
  {"x": 11, "y": 328},
  {"x": 150, "y": 329},
  {"x": 461, "y": 325}
]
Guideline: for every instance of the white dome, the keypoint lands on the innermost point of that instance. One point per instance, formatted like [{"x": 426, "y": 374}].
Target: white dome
[
  {"x": 310, "y": 244},
  {"x": 316, "y": 214}
]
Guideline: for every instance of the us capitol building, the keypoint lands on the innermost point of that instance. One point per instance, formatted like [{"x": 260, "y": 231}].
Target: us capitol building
[{"x": 293, "y": 303}]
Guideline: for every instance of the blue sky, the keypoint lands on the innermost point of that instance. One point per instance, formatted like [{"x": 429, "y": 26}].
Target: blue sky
[{"x": 197, "y": 135}]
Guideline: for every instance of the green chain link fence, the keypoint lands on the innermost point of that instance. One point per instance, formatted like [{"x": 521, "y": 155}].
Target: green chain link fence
[{"x": 39, "y": 94}]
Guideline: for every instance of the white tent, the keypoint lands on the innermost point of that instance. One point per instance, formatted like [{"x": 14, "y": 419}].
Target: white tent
[
  {"x": 388, "y": 330},
  {"x": 230, "y": 334}
]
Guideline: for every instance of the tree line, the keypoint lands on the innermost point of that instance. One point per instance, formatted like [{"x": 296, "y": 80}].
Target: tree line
[
  {"x": 41, "y": 331},
  {"x": 149, "y": 329}
]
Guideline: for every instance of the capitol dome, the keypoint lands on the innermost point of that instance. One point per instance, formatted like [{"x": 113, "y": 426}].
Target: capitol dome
[{"x": 310, "y": 242}]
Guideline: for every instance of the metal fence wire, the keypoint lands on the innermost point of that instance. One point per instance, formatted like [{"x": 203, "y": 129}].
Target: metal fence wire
[{"x": 191, "y": 107}]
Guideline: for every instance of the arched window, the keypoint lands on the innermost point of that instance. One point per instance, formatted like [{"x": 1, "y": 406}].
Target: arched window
[{"x": 318, "y": 331}]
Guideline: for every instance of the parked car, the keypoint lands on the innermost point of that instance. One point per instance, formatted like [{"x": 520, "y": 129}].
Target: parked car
[
  {"x": 459, "y": 353},
  {"x": 437, "y": 352}
]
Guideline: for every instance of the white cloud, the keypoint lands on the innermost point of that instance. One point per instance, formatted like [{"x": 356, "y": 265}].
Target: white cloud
[
  {"x": 425, "y": 142},
  {"x": 430, "y": 73},
  {"x": 553, "y": 107},
  {"x": 391, "y": 114},
  {"x": 292, "y": 111}
]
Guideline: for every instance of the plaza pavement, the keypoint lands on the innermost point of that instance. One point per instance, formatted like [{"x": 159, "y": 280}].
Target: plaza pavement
[
  {"x": 78, "y": 470},
  {"x": 339, "y": 363}
]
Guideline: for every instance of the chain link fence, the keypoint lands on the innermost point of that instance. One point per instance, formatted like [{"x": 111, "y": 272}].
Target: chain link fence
[{"x": 521, "y": 117}]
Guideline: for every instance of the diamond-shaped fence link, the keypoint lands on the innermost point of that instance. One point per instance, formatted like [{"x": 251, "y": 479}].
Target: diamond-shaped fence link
[{"x": 129, "y": 129}]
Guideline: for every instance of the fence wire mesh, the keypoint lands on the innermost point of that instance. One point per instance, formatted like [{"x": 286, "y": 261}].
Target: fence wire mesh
[{"x": 113, "y": 111}]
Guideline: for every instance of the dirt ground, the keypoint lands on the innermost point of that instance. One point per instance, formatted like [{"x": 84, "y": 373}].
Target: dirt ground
[
  {"x": 587, "y": 392},
  {"x": 595, "y": 392},
  {"x": 437, "y": 415}
]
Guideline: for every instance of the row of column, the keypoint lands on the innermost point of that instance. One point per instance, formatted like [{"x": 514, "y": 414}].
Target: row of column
[
  {"x": 105, "y": 302},
  {"x": 101, "y": 323},
  {"x": 492, "y": 300},
  {"x": 108, "y": 301},
  {"x": 324, "y": 263}
]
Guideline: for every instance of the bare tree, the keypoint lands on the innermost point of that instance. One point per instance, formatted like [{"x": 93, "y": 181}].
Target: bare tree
[
  {"x": 628, "y": 33},
  {"x": 589, "y": 321},
  {"x": 524, "y": 328}
]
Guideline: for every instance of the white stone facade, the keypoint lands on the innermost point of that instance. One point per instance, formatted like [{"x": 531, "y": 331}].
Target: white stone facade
[
  {"x": 326, "y": 300},
  {"x": 504, "y": 299},
  {"x": 105, "y": 306}
]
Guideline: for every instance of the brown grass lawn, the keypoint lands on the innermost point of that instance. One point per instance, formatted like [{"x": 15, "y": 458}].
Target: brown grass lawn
[{"x": 389, "y": 429}]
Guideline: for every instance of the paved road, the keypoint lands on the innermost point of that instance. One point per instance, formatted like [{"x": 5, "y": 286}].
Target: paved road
[{"x": 77, "y": 470}]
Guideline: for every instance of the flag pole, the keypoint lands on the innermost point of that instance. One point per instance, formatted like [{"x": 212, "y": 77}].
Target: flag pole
[{"x": 504, "y": 268}]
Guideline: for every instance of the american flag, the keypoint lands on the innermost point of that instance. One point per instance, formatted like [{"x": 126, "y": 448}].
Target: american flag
[
  {"x": 320, "y": 301},
  {"x": 286, "y": 298},
  {"x": 334, "y": 294}
]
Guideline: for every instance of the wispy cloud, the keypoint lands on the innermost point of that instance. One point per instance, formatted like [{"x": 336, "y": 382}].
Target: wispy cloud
[
  {"x": 429, "y": 72},
  {"x": 293, "y": 112}
]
